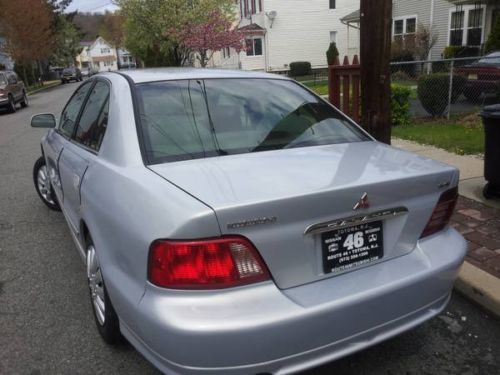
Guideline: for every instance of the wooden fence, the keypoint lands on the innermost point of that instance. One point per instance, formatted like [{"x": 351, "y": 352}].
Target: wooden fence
[{"x": 344, "y": 83}]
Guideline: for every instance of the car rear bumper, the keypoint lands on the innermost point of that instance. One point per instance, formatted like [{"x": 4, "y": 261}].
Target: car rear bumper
[
  {"x": 261, "y": 329},
  {"x": 486, "y": 86}
]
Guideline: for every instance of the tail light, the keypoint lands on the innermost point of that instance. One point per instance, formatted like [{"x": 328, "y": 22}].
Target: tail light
[
  {"x": 442, "y": 212},
  {"x": 205, "y": 264}
]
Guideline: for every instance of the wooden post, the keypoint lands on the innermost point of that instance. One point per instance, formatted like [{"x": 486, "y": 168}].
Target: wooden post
[
  {"x": 346, "y": 87},
  {"x": 376, "y": 19},
  {"x": 355, "y": 92}
]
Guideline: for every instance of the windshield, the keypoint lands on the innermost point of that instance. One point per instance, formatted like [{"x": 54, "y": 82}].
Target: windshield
[
  {"x": 68, "y": 71},
  {"x": 492, "y": 58},
  {"x": 192, "y": 119}
]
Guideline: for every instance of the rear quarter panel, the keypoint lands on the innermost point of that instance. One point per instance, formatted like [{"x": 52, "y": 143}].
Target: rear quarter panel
[{"x": 126, "y": 206}]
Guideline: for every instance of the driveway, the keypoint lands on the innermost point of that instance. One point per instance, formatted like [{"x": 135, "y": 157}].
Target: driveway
[{"x": 46, "y": 325}]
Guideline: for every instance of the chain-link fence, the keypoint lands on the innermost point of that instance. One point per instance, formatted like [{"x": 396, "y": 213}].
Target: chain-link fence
[{"x": 449, "y": 87}]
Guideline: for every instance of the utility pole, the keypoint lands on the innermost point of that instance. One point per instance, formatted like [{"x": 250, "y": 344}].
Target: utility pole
[{"x": 376, "y": 21}]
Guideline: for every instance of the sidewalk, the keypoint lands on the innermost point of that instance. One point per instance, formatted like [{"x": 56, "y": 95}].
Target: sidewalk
[{"x": 479, "y": 222}]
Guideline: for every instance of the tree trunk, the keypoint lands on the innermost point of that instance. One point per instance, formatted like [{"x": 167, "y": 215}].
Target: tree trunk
[
  {"x": 25, "y": 77},
  {"x": 375, "y": 53}
]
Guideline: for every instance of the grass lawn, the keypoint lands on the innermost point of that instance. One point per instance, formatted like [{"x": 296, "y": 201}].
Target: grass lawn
[
  {"x": 319, "y": 87},
  {"x": 462, "y": 135}
]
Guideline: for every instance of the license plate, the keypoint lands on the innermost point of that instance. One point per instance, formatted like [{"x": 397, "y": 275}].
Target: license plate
[
  {"x": 351, "y": 247},
  {"x": 472, "y": 76}
]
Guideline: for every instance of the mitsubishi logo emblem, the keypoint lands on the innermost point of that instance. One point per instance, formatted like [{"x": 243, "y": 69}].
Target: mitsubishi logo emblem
[{"x": 363, "y": 203}]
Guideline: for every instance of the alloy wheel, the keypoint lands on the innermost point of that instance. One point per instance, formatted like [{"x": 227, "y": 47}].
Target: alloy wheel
[
  {"x": 96, "y": 285},
  {"x": 44, "y": 184}
]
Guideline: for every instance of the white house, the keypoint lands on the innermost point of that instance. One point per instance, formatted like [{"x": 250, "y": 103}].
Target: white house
[
  {"x": 99, "y": 56},
  {"x": 280, "y": 32}
]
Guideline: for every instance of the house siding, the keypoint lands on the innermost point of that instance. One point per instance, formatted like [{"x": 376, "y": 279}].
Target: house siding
[
  {"x": 422, "y": 9},
  {"x": 300, "y": 32}
]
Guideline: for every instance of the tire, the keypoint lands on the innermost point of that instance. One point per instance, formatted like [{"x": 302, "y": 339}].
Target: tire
[
  {"x": 105, "y": 317},
  {"x": 24, "y": 101},
  {"x": 42, "y": 185},
  {"x": 63, "y": 81},
  {"x": 12, "y": 104}
]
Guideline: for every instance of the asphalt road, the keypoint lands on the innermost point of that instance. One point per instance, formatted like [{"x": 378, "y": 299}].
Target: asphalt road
[{"x": 46, "y": 326}]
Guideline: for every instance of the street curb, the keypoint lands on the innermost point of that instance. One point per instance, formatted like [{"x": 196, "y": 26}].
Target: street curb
[
  {"x": 480, "y": 286},
  {"x": 44, "y": 88}
]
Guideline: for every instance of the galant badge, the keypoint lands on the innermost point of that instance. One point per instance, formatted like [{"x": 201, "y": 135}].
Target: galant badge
[{"x": 363, "y": 203}]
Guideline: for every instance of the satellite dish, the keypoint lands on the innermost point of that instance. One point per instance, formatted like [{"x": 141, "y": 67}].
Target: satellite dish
[{"x": 272, "y": 16}]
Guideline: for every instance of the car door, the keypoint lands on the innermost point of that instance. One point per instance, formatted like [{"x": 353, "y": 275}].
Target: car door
[
  {"x": 57, "y": 139},
  {"x": 83, "y": 149}
]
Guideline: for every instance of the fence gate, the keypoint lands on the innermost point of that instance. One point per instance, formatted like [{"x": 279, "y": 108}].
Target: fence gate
[{"x": 344, "y": 82}]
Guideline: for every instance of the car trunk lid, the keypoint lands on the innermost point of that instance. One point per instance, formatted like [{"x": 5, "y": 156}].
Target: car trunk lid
[{"x": 274, "y": 198}]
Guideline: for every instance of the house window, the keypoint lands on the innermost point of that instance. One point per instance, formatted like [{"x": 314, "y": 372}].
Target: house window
[
  {"x": 254, "y": 46},
  {"x": 226, "y": 53},
  {"x": 457, "y": 28},
  {"x": 332, "y": 4},
  {"x": 105, "y": 50},
  {"x": 249, "y": 7},
  {"x": 404, "y": 29},
  {"x": 333, "y": 37},
  {"x": 474, "y": 27}
]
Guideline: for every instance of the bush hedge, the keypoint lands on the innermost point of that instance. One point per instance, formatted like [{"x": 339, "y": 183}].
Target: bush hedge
[
  {"x": 332, "y": 53},
  {"x": 300, "y": 68},
  {"x": 400, "y": 105},
  {"x": 433, "y": 91}
]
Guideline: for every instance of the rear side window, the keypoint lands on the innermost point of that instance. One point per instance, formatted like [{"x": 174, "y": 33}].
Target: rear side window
[
  {"x": 12, "y": 78},
  {"x": 197, "y": 119},
  {"x": 94, "y": 118},
  {"x": 72, "y": 109}
]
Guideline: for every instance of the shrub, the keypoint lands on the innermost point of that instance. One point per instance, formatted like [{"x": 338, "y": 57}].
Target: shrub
[
  {"x": 400, "y": 76},
  {"x": 300, "y": 68},
  {"x": 493, "y": 42},
  {"x": 433, "y": 91},
  {"x": 399, "y": 54},
  {"x": 332, "y": 53},
  {"x": 400, "y": 105}
]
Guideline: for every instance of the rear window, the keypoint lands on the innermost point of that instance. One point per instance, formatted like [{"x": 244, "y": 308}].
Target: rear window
[
  {"x": 192, "y": 119},
  {"x": 492, "y": 58},
  {"x": 68, "y": 71}
]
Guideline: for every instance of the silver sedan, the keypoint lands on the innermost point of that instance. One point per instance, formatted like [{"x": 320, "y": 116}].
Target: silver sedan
[{"x": 236, "y": 223}]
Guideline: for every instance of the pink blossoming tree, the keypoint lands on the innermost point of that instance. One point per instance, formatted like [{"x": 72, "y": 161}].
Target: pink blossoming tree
[{"x": 207, "y": 37}]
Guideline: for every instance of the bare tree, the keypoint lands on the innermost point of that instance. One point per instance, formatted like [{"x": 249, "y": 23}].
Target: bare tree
[{"x": 425, "y": 39}]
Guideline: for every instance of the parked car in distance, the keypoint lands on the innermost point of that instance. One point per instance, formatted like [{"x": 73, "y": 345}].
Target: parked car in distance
[
  {"x": 71, "y": 74},
  {"x": 237, "y": 223},
  {"x": 12, "y": 91},
  {"x": 483, "y": 76}
]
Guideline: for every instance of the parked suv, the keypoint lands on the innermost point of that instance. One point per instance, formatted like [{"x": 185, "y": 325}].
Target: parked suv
[
  {"x": 12, "y": 91},
  {"x": 71, "y": 74}
]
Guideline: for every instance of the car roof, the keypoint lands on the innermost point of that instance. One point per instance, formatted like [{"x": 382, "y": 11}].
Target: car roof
[{"x": 170, "y": 74}]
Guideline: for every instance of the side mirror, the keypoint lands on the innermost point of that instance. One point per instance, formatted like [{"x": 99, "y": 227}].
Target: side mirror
[{"x": 44, "y": 120}]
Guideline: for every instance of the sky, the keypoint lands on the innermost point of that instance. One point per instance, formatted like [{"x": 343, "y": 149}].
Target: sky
[{"x": 91, "y": 6}]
